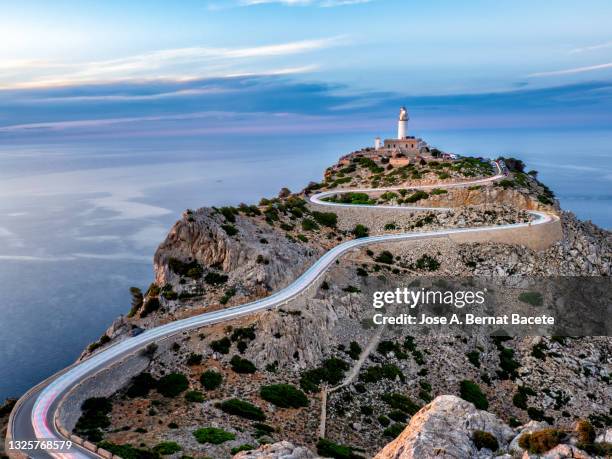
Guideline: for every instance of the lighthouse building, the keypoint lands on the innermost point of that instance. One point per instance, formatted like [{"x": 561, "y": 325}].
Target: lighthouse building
[{"x": 405, "y": 144}]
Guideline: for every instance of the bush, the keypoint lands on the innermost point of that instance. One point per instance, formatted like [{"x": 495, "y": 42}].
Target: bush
[
  {"x": 385, "y": 257},
  {"x": 379, "y": 372},
  {"x": 471, "y": 392},
  {"x": 172, "y": 384},
  {"x": 212, "y": 435},
  {"x": 194, "y": 359},
  {"x": 398, "y": 416},
  {"x": 151, "y": 305},
  {"x": 394, "y": 430},
  {"x": 128, "y": 451},
  {"x": 284, "y": 395},
  {"x": 438, "y": 191},
  {"x": 194, "y": 396},
  {"x": 520, "y": 397},
  {"x": 211, "y": 379},
  {"x": 329, "y": 219},
  {"x": 229, "y": 293},
  {"x": 360, "y": 231},
  {"x": 167, "y": 447},
  {"x": 327, "y": 448},
  {"x": 538, "y": 415},
  {"x": 242, "y": 408},
  {"x": 141, "y": 385},
  {"x": 213, "y": 278},
  {"x": 400, "y": 402},
  {"x": 93, "y": 418},
  {"x": 427, "y": 263},
  {"x": 474, "y": 358},
  {"x": 243, "y": 366},
  {"x": 384, "y": 420},
  {"x": 532, "y": 298},
  {"x": 230, "y": 230},
  {"x": 222, "y": 346},
  {"x": 540, "y": 441},
  {"x": 354, "y": 350},
  {"x": 309, "y": 224},
  {"x": 417, "y": 196},
  {"x": 484, "y": 439},
  {"x": 331, "y": 371},
  {"x": 243, "y": 333}
]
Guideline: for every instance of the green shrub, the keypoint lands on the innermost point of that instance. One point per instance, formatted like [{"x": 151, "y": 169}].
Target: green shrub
[
  {"x": 328, "y": 448},
  {"x": 400, "y": 402},
  {"x": 427, "y": 263},
  {"x": 242, "y": 366},
  {"x": 194, "y": 396},
  {"x": 309, "y": 224},
  {"x": 329, "y": 219},
  {"x": 416, "y": 196},
  {"x": 213, "y": 278},
  {"x": 331, "y": 371},
  {"x": 398, "y": 416},
  {"x": 394, "y": 430},
  {"x": 243, "y": 333},
  {"x": 193, "y": 359},
  {"x": 385, "y": 257},
  {"x": 351, "y": 289},
  {"x": 212, "y": 435},
  {"x": 438, "y": 191},
  {"x": 284, "y": 395},
  {"x": 379, "y": 372},
  {"x": 93, "y": 418},
  {"x": 141, "y": 385},
  {"x": 507, "y": 364},
  {"x": 538, "y": 415},
  {"x": 172, "y": 384},
  {"x": 151, "y": 305},
  {"x": 231, "y": 230},
  {"x": 229, "y": 293},
  {"x": 532, "y": 298},
  {"x": 366, "y": 410},
  {"x": 166, "y": 448},
  {"x": 354, "y": 350},
  {"x": 222, "y": 346},
  {"x": 520, "y": 397},
  {"x": 471, "y": 392},
  {"x": 242, "y": 408},
  {"x": 211, "y": 379},
  {"x": 384, "y": 420},
  {"x": 128, "y": 451},
  {"x": 540, "y": 441},
  {"x": 360, "y": 231},
  {"x": 474, "y": 358},
  {"x": 484, "y": 439}
]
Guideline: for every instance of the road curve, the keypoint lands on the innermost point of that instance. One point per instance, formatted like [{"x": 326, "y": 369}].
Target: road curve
[{"x": 33, "y": 417}]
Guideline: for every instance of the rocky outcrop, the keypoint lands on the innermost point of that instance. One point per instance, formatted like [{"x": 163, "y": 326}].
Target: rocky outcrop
[
  {"x": 444, "y": 429},
  {"x": 280, "y": 450}
]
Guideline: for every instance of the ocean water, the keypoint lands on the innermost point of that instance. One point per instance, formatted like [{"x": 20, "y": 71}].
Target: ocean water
[{"x": 80, "y": 221}]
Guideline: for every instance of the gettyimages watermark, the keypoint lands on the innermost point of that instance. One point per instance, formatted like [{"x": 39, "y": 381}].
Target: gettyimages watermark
[{"x": 514, "y": 306}]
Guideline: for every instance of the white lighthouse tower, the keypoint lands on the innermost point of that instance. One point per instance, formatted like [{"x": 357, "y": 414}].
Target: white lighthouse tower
[{"x": 402, "y": 123}]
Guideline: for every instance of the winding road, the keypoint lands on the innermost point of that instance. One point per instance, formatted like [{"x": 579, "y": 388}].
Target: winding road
[{"x": 33, "y": 416}]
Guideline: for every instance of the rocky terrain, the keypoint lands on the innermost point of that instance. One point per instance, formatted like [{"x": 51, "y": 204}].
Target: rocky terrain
[{"x": 317, "y": 378}]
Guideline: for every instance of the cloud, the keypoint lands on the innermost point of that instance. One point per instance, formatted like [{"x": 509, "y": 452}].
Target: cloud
[
  {"x": 571, "y": 71},
  {"x": 591, "y": 48},
  {"x": 178, "y": 64}
]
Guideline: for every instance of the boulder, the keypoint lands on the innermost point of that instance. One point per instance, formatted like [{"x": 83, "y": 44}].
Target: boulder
[
  {"x": 280, "y": 450},
  {"x": 443, "y": 429}
]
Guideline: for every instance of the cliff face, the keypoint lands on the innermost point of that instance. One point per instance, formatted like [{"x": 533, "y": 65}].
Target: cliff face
[{"x": 257, "y": 259}]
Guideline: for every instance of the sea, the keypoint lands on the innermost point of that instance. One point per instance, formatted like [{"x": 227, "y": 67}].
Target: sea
[{"x": 80, "y": 220}]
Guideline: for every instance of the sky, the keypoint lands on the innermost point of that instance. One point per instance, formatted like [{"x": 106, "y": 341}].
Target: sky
[{"x": 74, "y": 68}]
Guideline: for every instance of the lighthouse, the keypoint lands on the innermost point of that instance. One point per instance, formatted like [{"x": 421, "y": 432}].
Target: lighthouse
[{"x": 402, "y": 123}]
